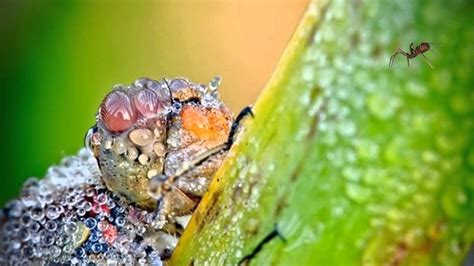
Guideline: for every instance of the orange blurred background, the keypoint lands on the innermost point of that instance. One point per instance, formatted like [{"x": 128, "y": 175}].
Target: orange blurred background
[{"x": 59, "y": 59}]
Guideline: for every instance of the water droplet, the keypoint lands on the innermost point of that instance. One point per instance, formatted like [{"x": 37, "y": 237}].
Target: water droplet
[
  {"x": 54, "y": 251},
  {"x": 24, "y": 234},
  {"x": 347, "y": 128},
  {"x": 144, "y": 159},
  {"x": 119, "y": 146},
  {"x": 366, "y": 149},
  {"x": 159, "y": 149},
  {"x": 47, "y": 239},
  {"x": 101, "y": 199},
  {"x": 450, "y": 144},
  {"x": 37, "y": 213},
  {"x": 15, "y": 208},
  {"x": 131, "y": 153},
  {"x": 357, "y": 193},
  {"x": 430, "y": 157},
  {"x": 382, "y": 106},
  {"x": 90, "y": 223},
  {"x": 460, "y": 103},
  {"x": 308, "y": 73},
  {"x": 51, "y": 226},
  {"x": 351, "y": 174},
  {"x": 102, "y": 225},
  {"x": 415, "y": 237},
  {"x": 416, "y": 89},
  {"x": 395, "y": 150},
  {"x": 87, "y": 206},
  {"x": 141, "y": 136},
  {"x": 454, "y": 200}
]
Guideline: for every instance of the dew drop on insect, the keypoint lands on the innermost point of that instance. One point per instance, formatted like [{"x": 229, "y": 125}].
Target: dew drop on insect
[
  {"x": 54, "y": 251},
  {"x": 101, "y": 199},
  {"x": 144, "y": 159},
  {"x": 119, "y": 146},
  {"x": 102, "y": 225},
  {"x": 178, "y": 84},
  {"x": 116, "y": 111},
  {"x": 147, "y": 103},
  {"x": 159, "y": 149},
  {"x": 141, "y": 136},
  {"x": 132, "y": 153},
  {"x": 51, "y": 213},
  {"x": 152, "y": 172},
  {"x": 51, "y": 225}
]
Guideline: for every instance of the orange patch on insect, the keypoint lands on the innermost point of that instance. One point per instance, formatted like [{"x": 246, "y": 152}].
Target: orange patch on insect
[{"x": 209, "y": 125}]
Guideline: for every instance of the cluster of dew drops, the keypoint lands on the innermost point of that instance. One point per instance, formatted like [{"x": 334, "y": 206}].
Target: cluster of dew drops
[{"x": 69, "y": 217}]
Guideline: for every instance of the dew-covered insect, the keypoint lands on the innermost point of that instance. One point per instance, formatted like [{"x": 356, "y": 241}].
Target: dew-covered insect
[
  {"x": 155, "y": 147},
  {"x": 158, "y": 143}
]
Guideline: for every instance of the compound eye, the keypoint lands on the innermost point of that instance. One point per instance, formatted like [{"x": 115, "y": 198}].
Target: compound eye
[
  {"x": 205, "y": 124},
  {"x": 116, "y": 112},
  {"x": 147, "y": 103}
]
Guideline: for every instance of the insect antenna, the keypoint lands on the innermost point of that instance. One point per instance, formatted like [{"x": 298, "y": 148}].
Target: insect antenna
[{"x": 169, "y": 90}]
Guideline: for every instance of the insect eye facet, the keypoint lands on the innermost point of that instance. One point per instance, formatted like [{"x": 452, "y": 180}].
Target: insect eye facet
[
  {"x": 147, "y": 103},
  {"x": 117, "y": 112}
]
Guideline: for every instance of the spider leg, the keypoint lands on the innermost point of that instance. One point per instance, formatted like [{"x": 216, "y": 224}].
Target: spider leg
[
  {"x": 398, "y": 51},
  {"x": 392, "y": 59},
  {"x": 411, "y": 48},
  {"x": 427, "y": 61}
]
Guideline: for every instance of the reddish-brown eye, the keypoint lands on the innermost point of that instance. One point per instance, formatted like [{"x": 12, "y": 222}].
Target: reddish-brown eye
[
  {"x": 116, "y": 112},
  {"x": 147, "y": 103}
]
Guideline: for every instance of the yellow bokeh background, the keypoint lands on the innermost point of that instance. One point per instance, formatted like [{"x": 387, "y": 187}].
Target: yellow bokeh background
[{"x": 59, "y": 58}]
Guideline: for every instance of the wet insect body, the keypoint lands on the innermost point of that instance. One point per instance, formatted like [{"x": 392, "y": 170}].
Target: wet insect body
[{"x": 158, "y": 143}]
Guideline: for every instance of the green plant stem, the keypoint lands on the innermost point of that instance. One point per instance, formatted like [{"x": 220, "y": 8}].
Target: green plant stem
[{"x": 353, "y": 162}]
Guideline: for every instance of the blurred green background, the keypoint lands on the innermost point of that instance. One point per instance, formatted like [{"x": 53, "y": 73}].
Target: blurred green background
[{"x": 59, "y": 58}]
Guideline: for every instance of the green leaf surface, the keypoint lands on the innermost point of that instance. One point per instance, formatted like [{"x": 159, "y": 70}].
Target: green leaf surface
[{"x": 354, "y": 162}]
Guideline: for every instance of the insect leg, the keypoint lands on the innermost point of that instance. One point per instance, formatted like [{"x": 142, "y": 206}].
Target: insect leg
[
  {"x": 235, "y": 125},
  {"x": 165, "y": 188},
  {"x": 187, "y": 166},
  {"x": 171, "y": 200},
  {"x": 427, "y": 61}
]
